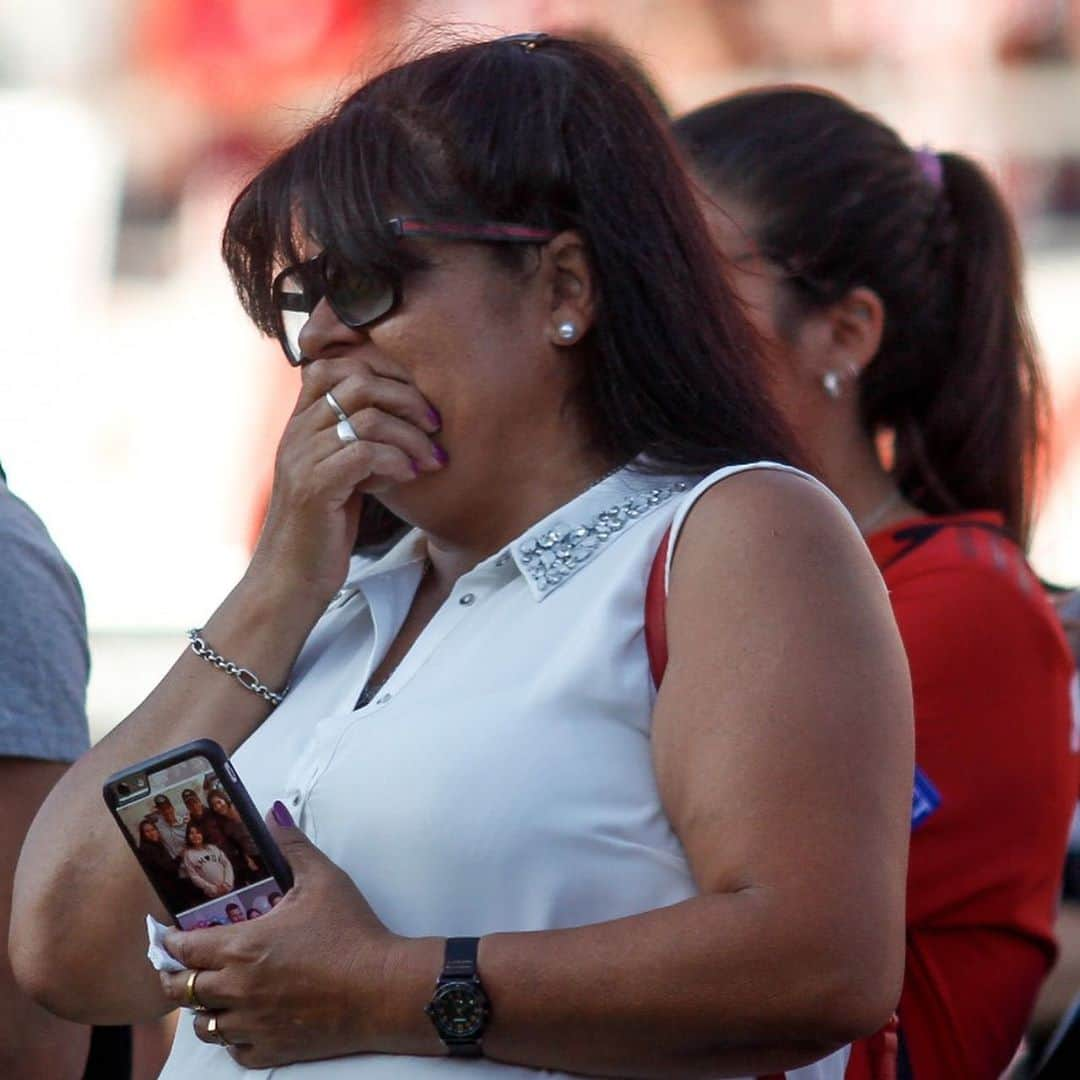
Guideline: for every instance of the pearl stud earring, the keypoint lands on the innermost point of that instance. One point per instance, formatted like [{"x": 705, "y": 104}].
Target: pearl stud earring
[
  {"x": 833, "y": 386},
  {"x": 566, "y": 331}
]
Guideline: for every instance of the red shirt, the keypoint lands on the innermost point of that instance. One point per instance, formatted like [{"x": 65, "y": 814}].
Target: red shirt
[{"x": 995, "y": 749}]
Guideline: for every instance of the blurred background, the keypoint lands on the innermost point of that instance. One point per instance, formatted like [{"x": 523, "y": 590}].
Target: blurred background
[{"x": 138, "y": 408}]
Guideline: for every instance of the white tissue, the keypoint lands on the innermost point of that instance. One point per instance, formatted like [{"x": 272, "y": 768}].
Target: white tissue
[{"x": 156, "y": 954}]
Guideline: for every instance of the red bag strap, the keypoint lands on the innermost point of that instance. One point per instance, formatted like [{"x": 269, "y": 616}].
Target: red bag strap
[{"x": 656, "y": 612}]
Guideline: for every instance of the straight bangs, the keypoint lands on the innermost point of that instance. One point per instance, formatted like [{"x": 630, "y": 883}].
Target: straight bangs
[{"x": 333, "y": 189}]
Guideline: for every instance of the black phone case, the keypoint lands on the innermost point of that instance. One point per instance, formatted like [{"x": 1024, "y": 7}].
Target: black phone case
[{"x": 230, "y": 784}]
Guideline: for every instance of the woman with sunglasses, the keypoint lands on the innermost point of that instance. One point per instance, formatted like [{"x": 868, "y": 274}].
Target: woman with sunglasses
[
  {"x": 511, "y": 327},
  {"x": 885, "y": 282}
]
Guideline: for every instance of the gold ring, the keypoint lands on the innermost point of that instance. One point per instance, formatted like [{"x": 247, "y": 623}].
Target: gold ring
[
  {"x": 212, "y": 1031},
  {"x": 190, "y": 999}
]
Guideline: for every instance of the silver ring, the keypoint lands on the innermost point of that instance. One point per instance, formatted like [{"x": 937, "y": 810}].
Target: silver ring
[
  {"x": 346, "y": 432},
  {"x": 332, "y": 401}
]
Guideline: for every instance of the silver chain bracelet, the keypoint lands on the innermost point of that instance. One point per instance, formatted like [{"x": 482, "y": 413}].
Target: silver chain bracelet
[{"x": 244, "y": 676}]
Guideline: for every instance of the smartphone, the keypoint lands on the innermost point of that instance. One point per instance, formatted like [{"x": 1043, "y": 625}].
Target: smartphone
[{"x": 198, "y": 837}]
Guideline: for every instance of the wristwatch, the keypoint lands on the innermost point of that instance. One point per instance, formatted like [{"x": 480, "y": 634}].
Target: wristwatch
[{"x": 459, "y": 1008}]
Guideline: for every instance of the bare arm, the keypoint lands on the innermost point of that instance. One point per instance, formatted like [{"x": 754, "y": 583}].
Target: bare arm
[
  {"x": 33, "y": 1043},
  {"x": 192, "y": 701},
  {"x": 88, "y": 961}
]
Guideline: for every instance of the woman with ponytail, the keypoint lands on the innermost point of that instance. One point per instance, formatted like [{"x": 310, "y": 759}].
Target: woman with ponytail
[{"x": 884, "y": 282}]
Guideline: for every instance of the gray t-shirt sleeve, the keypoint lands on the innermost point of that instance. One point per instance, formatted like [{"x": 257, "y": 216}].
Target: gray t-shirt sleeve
[{"x": 44, "y": 659}]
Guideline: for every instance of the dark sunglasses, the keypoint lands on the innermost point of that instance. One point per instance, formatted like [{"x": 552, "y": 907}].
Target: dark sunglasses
[{"x": 359, "y": 295}]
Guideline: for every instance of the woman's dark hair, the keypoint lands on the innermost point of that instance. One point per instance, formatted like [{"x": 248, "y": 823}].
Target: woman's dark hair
[
  {"x": 142, "y": 835},
  {"x": 840, "y": 201},
  {"x": 550, "y": 133},
  {"x": 197, "y": 827}
]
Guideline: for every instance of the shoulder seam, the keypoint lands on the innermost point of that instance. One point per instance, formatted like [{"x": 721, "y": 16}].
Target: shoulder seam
[{"x": 691, "y": 498}]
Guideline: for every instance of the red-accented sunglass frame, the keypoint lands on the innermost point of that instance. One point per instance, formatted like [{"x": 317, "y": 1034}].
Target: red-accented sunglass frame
[{"x": 358, "y": 296}]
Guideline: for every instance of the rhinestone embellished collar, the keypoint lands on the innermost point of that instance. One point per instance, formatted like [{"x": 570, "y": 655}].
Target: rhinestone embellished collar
[{"x": 559, "y": 547}]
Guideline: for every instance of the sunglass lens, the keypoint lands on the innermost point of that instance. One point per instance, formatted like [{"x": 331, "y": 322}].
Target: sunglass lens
[{"x": 359, "y": 295}]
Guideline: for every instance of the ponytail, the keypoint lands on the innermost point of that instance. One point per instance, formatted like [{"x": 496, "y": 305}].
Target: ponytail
[{"x": 974, "y": 444}]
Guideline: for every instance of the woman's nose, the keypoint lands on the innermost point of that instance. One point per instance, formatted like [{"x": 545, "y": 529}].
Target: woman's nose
[{"x": 323, "y": 332}]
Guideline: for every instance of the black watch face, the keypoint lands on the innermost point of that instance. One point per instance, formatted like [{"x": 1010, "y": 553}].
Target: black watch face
[{"x": 459, "y": 1010}]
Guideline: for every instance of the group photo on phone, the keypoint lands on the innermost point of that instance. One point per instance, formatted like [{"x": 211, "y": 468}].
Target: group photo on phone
[{"x": 195, "y": 848}]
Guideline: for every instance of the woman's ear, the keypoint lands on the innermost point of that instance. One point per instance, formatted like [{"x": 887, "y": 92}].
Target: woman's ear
[
  {"x": 571, "y": 289},
  {"x": 856, "y": 325},
  {"x": 836, "y": 343}
]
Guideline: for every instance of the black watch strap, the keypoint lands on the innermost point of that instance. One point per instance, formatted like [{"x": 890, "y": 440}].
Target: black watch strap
[
  {"x": 462, "y": 1049},
  {"x": 459, "y": 960}
]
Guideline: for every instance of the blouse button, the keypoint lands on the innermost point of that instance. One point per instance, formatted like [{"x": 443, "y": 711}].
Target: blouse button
[{"x": 467, "y": 599}]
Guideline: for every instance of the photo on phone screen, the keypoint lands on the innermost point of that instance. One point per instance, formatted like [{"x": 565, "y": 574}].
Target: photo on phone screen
[{"x": 194, "y": 846}]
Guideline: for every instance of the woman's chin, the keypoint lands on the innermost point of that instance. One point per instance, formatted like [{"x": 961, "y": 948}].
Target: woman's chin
[{"x": 412, "y": 497}]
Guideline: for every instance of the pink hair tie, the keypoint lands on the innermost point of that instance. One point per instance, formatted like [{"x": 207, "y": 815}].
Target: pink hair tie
[{"x": 930, "y": 166}]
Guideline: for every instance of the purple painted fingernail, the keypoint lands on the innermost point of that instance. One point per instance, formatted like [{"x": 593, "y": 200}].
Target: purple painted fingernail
[
  {"x": 282, "y": 815},
  {"x": 434, "y": 417},
  {"x": 440, "y": 455}
]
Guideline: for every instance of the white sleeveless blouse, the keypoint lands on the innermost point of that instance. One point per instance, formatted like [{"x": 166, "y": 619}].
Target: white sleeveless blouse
[{"x": 502, "y": 778}]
